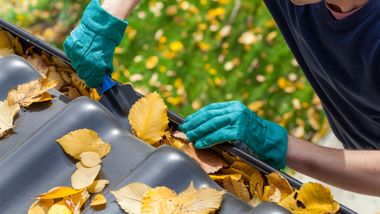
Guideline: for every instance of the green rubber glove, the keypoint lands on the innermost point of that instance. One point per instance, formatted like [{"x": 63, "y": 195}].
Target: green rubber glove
[
  {"x": 234, "y": 122},
  {"x": 91, "y": 45}
]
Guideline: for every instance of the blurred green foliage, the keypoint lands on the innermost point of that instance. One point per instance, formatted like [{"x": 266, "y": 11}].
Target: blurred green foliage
[{"x": 197, "y": 52}]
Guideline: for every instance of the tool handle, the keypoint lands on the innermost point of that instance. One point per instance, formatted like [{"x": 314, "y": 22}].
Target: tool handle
[{"x": 107, "y": 84}]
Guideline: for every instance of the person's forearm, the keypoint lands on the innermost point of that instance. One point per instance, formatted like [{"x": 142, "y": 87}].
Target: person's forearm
[
  {"x": 119, "y": 8},
  {"x": 357, "y": 171}
]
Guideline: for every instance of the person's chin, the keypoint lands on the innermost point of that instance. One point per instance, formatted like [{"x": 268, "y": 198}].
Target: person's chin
[{"x": 304, "y": 2}]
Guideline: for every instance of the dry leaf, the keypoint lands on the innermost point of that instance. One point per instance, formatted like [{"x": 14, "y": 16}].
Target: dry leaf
[
  {"x": 311, "y": 198},
  {"x": 59, "y": 208},
  {"x": 7, "y": 114},
  {"x": 276, "y": 181},
  {"x": 83, "y": 176},
  {"x": 204, "y": 200},
  {"x": 98, "y": 200},
  {"x": 206, "y": 158},
  {"x": 256, "y": 184},
  {"x": 237, "y": 188},
  {"x": 148, "y": 118},
  {"x": 181, "y": 136},
  {"x": 58, "y": 192},
  {"x": 41, "y": 206},
  {"x": 97, "y": 186},
  {"x": 79, "y": 84},
  {"x": 90, "y": 159},
  {"x": 75, "y": 202},
  {"x": 31, "y": 92},
  {"x": 130, "y": 196},
  {"x": 54, "y": 75},
  {"x": 38, "y": 64},
  {"x": 255, "y": 201},
  {"x": 6, "y": 47},
  {"x": 190, "y": 201},
  {"x": 235, "y": 177},
  {"x": 159, "y": 200},
  {"x": 84, "y": 140}
]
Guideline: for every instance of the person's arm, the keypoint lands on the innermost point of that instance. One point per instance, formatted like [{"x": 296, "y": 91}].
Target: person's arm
[
  {"x": 357, "y": 171},
  {"x": 91, "y": 45},
  {"x": 119, "y": 8}
]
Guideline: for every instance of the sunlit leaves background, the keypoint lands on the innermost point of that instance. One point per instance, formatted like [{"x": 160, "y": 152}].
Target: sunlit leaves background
[{"x": 196, "y": 52}]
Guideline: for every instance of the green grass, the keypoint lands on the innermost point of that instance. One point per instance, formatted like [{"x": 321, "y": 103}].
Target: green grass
[{"x": 176, "y": 49}]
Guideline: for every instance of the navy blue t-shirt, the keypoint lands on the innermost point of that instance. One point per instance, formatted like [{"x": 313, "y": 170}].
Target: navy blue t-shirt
[{"x": 341, "y": 60}]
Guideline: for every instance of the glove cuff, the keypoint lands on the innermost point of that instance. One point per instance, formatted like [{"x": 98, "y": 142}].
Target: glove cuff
[
  {"x": 275, "y": 147},
  {"x": 101, "y": 22}
]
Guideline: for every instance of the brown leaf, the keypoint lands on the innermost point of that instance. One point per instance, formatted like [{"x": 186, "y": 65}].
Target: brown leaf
[
  {"x": 206, "y": 158},
  {"x": 237, "y": 188},
  {"x": 31, "y": 92}
]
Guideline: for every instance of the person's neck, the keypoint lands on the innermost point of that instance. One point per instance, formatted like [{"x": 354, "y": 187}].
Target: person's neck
[{"x": 345, "y": 6}]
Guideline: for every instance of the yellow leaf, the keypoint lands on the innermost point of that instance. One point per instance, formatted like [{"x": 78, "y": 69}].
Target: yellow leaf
[
  {"x": 97, "y": 186},
  {"x": 79, "y": 84},
  {"x": 5, "y": 45},
  {"x": 41, "y": 206},
  {"x": 276, "y": 181},
  {"x": 159, "y": 200},
  {"x": 75, "y": 202},
  {"x": 90, "y": 159},
  {"x": 311, "y": 198},
  {"x": 235, "y": 177},
  {"x": 237, "y": 188},
  {"x": 59, "y": 208},
  {"x": 98, "y": 200},
  {"x": 83, "y": 176},
  {"x": 7, "y": 114},
  {"x": 256, "y": 184},
  {"x": 31, "y": 92},
  {"x": 191, "y": 201},
  {"x": 94, "y": 94},
  {"x": 204, "y": 200},
  {"x": 130, "y": 196},
  {"x": 58, "y": 192},
  {"x": 149, "y": 119},
  {"x": 83, "y": 140}
]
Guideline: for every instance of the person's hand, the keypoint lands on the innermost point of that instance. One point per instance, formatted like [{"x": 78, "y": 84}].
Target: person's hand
[
  {"x": 91, "y": 45},
  {"x": 232, "y": 121},
  {"x": 304, "y": 2}
]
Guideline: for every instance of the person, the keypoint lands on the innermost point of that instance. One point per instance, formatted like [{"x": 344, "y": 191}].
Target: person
[{"x": 337, "y": 45}]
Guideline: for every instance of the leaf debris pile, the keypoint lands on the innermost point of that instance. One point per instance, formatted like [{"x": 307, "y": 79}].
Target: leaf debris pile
[
  {"x": 149, "y": 121},
  {"x": 138, "y": 198},
  {"x": 48, "y": 66},
  {"x": 23, "y": 95},
  {"x": 88, "y": 148}
]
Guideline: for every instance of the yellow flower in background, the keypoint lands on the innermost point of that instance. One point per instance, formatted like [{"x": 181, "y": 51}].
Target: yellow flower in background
[
  {"x": 204, "y": 46},
  {"x": 176, "y": 46},
  {"x": 224, "y": 2},
  {"x": 151, "y": 62},
  {"x": 216, "y": 13}
]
